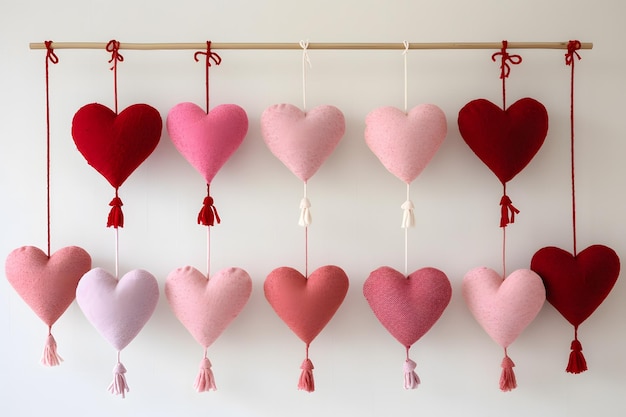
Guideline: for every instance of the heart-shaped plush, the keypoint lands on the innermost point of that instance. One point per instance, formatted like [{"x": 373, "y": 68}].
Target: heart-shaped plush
[
  {"x": 47, "y": 284},
  {"x": 115, "y": 145},
  {"x": 207, "y": 306},
  {"x": 306, "y": 305},
  {"x": 207, "y": 140},
  {"x": 407, "y": 306},
  {"x": 505, "y": 140},
  {"x": 405, "y": 143},
  {"x": 302, "y": 141},
  {"x": 118, "y": 309},
  {"x": 503, "y": 307},
  {"x": 577, "y": 285}
]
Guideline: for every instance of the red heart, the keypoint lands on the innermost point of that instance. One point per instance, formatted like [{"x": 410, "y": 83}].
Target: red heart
[
  {"x": 115, "y": 145},
  {"x": 306, "y": 305},
  {"x": 505, "y": 140},
  {"x": 577, "y": 285}
]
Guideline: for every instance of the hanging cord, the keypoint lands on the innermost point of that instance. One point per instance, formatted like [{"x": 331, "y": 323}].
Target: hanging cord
[
  {"x": 405, "y": 53},
  {"x": 304, "y": 221},
  {"x": 50, "y": 57},
  {"x": 209, "y": 56},
  {"x": 505, "y": 69},
  {"x": 114, "y": 46},
  {"x": 305, "y": 61},
  {"x": 408, "y": 217}
]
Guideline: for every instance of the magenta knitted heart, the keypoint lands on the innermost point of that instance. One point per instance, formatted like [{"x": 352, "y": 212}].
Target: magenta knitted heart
[
  {"x": 306, "y": 305},
  {"x": 504, "y": 308},
  {"x": 407, "y": 306},
  {"x": 405, "y": 143},
  {"x": 207, "y": 140},
  {"x": 47, "y": 284},
  {"x": 118, "y": 309},
  {"x": 302, "y": 141},
  {"x": 207, "y": 306}
]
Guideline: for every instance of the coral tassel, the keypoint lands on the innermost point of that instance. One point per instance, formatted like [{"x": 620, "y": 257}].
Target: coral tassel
[
  {"x": 205, "y": 380},
  {"x": 119, "y": 386},
  {"x": 50, "y": 356},
  {"x": 116, "y": 216},
  {"x": 577, "y": 363},
  {"x": 507, "y": 378},
  {"x": 306, "y": 382},
  {"x": 411, "y": 380}
]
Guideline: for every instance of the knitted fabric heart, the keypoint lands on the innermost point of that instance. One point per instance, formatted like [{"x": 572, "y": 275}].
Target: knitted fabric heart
[
  {"x": 504, "y": 308},
  {"x": 306, "y": 305},
  {"x": 405, "y": 143},
  {"x": 302, "y": 141},
  {"x": 207, "y": 306},
  {"x": 115, "y": 145},
  {"x": 505, "y": 140},
  {"x": 207, "y": 140},
  {"x": 118, "y": 309},
  {"x": 47, "y": 284},
  {"x": 577, "y": 285},
  {"x": 407, "y": 306}
]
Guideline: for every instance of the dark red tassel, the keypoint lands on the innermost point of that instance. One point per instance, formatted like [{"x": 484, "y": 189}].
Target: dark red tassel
[
  {"x": 577, "y": 363},
  {"x": 506, "y": 207},
  {"x": 116, "y": 216},
  {"x": 306, "y": 382},
  {"x": 208, "y": 213},
  {"x": 507, "y": 378}
]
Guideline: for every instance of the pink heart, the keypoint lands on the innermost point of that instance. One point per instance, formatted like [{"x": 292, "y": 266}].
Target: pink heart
[
  {"x": 504, "y": 308},
  {"x": 405, "y": 143},
  {"x": 302, "y": 141},
  {"x": 407, "y": 306},
  {"x": 118, "y": 309},
  {"x": 207, "y": 140},
  {"x": 306, "y": 305},
  {"x": 207, "y": 306},
  {"x": 47, "y": 284}
]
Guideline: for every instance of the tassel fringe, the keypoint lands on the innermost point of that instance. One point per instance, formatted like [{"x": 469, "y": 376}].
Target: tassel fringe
[
  {"x": 119, "y": 386},
  {"x": 50, "y": 356},
  {"x": 306, "y": 382},
  {"x": 577, "y": 363},
  {"x": 506, "y": 208},
  {"x": 208, "y": 215},
  {"x": 205, "y": 381},
  {"x": 411, "y": 380},
  {"x": 305, "y": 212},
  {"x": 116, "y": 216},
  {"x": 507, "y": 378},
  {"x": 408, "y": 216}
]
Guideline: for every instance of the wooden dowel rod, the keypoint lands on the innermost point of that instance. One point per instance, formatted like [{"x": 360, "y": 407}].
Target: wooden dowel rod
[{"x": 344, "y": 46}]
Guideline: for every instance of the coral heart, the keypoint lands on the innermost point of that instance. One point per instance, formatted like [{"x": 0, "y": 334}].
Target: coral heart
[
  {"x": 302, "y": 141},
  {"x": 504, "y": 308},
  {"x": 577, "y": 285},
  {"x": 47, "y": 284},
  {"x": 207, "y": 306},
  {"x": 306, "y": 305},
  {"x": 405, "y": 143},
  {"x": 118, "y": 309},
  {"x": 505, "y": 140},
  {"x": 115, "y": 145},
  {"x": 407, "y": 306},
  {"x": 207, "y": 140}
]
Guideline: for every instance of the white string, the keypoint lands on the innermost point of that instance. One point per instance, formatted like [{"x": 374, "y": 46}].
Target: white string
[
  {"x": 406, "y": 93},
  {"x": 305, "y": 60},
  {"x": 117, "y": 253},
  {"x": 408, "y": 220},
  {"x": 305, "y": 212}
]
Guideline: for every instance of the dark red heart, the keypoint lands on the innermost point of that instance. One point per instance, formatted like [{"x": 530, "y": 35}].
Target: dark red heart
[
  {"x": 115, "y": 145},
  {"x": 577, "y": 285},
  {"x": 505, "y": 140}
]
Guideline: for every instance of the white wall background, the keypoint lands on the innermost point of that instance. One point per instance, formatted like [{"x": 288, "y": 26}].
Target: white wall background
[{"x": 355, "y": 205}]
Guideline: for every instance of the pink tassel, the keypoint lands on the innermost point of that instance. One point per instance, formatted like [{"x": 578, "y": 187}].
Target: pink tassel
[
  {"x": 50, "y": 356},
  {"x": 507, "y": 378},
  {"x": 411, "y": 380},
  {"x": 306, "y": 382},
  {"x": 577, "y": 363},
  {"x": 119, "y": 386},
  {"x": 205, "y": 380}
]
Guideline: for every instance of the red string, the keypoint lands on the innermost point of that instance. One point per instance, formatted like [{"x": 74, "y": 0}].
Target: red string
[
  {"x": 113, "y": 46},
  {"x": 505, "y": 69},
  {"x": 50, "y": 57},
  {"x": 209, "y": 55},
  {"x": 570, "y": 56}
]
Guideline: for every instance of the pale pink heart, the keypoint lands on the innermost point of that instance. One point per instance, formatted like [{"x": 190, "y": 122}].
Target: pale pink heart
[
  {"x": 207, "y": 306},
  {"x": 302, "y": 141},
  {"x": 207, "y": 140},
  {"x": 47, "y": 284},
  {"x": 503, "y": 307},
  {"x": 306, "y": 305},
  {"x": 405, "y": 143},
  {"x": 118, "y": 309},
  {"x": 407, "y": 306}
]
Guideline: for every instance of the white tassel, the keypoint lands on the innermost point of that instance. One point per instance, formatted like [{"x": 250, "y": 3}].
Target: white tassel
[
  {"x": 408, "y": 217},
  {"x": 305, "y": 212}
]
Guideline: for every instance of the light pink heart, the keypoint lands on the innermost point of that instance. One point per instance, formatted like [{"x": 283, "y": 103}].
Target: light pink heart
[
  {"x": 302, "y": 141},
  {"x": 207, "y": 141},
  {"x": 306, "y": 305},
  {"x": 207, "y": 306},
  {"x": 118, "y": 309},
  {"x": 405, "y": 143},
  {"x": 407, "y": 306},
  {"x": 47, "y": 284},
  {"x": 503, "y": 307}
]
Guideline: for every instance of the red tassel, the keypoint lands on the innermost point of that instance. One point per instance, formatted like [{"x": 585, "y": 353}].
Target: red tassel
[
  {"x": 577, "y": 363},
  {"x": 50, "y": 356},
  {"x": 208, "y": 214},
  {"x": 506, "y": 207},
  {"x": 119, "y": 386},
  {"x": 306, "y": 382},
  {"x": 116, "y": 217},
  {"x": 507, "y": 378},
  {"x": 205, "y": 380}
]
